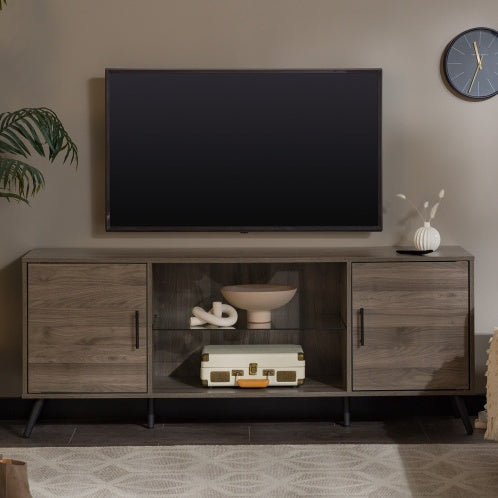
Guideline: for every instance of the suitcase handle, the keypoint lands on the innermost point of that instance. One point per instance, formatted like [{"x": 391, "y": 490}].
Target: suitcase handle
[{"x": 253, "y": 383}]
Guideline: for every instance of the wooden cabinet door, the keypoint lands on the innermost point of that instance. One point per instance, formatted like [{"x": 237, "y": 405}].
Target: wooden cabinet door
[
  {"x": 82, "y": 324},
  {"x": 415, "y": 326}
]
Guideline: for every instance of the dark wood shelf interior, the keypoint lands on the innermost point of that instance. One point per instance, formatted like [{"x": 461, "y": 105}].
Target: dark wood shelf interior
[
  {"x": 177, "y": 353},
  {"x": 320, "y": 300},
  {"x": 315, "y": 319}
]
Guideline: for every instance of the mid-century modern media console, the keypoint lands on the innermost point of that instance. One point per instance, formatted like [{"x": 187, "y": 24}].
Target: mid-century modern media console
[{"x": 106, "y": 323}]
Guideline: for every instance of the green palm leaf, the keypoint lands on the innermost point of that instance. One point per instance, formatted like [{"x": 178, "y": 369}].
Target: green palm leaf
[
  {"x": 18, "y": 179},
  {"x": 38, "y": 128},
  {"x": 2, "y": 2}
]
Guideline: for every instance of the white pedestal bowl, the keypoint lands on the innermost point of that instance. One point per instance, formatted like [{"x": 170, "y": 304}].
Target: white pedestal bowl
[{"x": 258, "y": 300}]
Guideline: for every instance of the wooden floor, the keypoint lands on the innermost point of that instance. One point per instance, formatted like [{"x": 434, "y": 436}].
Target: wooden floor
[{"x": 414, "y": 430}]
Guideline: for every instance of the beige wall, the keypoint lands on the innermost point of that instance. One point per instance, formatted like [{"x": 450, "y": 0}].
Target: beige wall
[{"x": 53, "y": 53}]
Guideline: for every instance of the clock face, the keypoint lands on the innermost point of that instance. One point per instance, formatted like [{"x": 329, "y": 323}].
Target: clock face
[{"x": 471, "y": 63}]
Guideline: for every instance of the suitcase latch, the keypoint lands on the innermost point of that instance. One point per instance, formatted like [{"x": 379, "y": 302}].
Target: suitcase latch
[{"x": 253, "y": 368}]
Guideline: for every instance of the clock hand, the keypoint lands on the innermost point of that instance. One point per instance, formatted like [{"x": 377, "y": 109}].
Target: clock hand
[
  {"x": 478, "y": 68},
  {"x": 479, "y": 59}
]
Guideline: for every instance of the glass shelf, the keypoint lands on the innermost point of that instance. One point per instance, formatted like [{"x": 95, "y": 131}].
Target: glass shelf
[
  {"x": 330, "y": 323},
  {"x": 238, "y": 330}
]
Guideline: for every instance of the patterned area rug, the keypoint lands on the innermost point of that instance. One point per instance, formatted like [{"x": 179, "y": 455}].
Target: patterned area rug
[{"x": 373, "y": 470}]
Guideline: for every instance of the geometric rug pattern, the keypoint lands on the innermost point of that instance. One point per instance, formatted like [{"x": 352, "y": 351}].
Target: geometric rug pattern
[{"x": 339, "y": 470}]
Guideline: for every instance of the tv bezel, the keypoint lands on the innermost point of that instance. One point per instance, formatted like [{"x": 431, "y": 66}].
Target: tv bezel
[{"x": 243, "y": 229}]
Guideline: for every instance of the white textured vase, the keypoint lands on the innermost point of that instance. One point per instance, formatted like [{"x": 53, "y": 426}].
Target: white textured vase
[{"x": 427, "y": 238}]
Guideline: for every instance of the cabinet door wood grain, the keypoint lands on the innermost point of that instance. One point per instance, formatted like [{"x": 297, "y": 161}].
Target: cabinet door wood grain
[
  {"x": 82, "y": 328},
  {"x": 415, "y": 326}
]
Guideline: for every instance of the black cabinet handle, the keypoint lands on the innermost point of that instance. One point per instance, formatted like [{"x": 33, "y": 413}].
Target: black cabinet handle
[
  {"x": 362, "y": 327},
  {"x": 137, "y": 329}
]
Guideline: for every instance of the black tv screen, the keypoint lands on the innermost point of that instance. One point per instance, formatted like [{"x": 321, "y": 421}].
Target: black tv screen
[{"x": 243, "y": 150}]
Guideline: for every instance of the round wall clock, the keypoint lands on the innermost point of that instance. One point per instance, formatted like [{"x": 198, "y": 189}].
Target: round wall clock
[{"x": 471, "y": 63}]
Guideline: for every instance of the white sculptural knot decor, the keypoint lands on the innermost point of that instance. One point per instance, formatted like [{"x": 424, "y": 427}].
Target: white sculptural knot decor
[
  {"x": 214, "y": 316},
  {"x": 426, "y": 237}
]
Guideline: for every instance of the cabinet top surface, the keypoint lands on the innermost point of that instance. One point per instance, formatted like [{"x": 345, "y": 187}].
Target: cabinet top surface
[{"x": 234, "y": 255}]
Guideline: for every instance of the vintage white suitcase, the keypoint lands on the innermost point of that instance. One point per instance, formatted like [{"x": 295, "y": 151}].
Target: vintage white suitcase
[{"x": 252, "y": 365}]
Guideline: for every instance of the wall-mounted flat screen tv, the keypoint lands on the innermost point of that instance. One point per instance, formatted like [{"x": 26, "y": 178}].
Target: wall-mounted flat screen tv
[{"x": 243, "y": 150}]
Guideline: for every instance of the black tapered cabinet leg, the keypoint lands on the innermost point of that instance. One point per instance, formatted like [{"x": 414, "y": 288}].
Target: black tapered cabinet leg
[
  {"x": 346, "y": 421},
  {"x": 464, "y": 415},
  {"x": 33, "y": 417},
  {"x": 150, "y": 413},
  {"x": 454, "y": 408}
]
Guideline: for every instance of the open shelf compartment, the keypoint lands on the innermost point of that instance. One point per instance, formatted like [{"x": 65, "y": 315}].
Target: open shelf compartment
[{"x": 315, "y": 318}]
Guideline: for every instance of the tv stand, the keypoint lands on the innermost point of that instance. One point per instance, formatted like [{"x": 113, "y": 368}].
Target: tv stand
[{"x": 106, "y": 323}]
